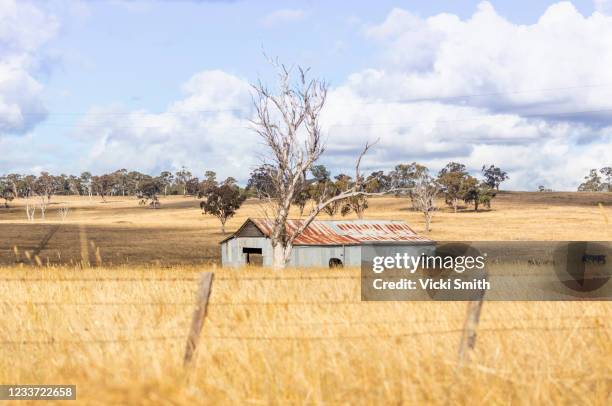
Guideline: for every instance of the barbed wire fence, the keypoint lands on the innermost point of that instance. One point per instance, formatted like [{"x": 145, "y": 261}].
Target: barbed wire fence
[{"x": 193, "y": 334}]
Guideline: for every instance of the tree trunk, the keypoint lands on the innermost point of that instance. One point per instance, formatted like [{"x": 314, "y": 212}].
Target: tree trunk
[
  {"x": 427, "y": 220},
  {"x": 455, "y": 204},
  {"x": 223, "y": 226},
  {"x": 280, "y": 256},
  {"x": 475, "y": 205}
]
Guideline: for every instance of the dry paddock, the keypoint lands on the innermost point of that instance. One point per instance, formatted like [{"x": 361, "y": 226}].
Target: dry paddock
[
  {"x": 104, "y": 299},
  {"x": 121, "y": 232},
  {"x": 119, "y": 334}
]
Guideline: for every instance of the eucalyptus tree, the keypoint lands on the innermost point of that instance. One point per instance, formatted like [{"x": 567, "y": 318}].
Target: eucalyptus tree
[{"x": 288, "y": 121}]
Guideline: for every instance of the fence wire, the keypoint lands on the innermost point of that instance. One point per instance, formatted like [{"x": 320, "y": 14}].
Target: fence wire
[
  {"x": 305, "y": 338},
  {"x": 188, "y": 279},
  {"x": 182, "y": 335}
]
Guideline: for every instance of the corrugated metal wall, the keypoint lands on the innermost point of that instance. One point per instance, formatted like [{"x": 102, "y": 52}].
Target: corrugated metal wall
[
  {"x": 312, "y": 256},
  {"x": 231, "y": 250},
  {"x": 315, "y": 256}
]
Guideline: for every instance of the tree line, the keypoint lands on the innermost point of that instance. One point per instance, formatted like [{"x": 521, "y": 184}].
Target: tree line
[
  {"x": 223, "y": 198},
  {"x": 597, "y": 181},
  {"x": 118, "y": 183},
  {"x": 453, "y": 182},
  {"x": 219, "y": 198}
]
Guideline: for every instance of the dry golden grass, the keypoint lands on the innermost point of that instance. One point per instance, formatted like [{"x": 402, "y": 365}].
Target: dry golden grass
[
  {"x": 293, "y": 337},
  {"x": 179, "y": 234},
  {"x": 300, "y": 336}
]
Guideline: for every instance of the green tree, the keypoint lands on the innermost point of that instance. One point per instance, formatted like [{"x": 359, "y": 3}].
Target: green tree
[
  {"x": 606, "y": 172},
  {"x": 222, "y": 201},
  {"x": 182, "y": 177},
  {"x": 404, "y": 176},
  {"x": 44, "y": 187},
  {"x": 148, "y": 191},
  {"x": 592, "y": 182},
  {"x": 193, "y": 186},
  {"x": 378, "y": 182},
  {"x": 122, "y": 181},
  {"x": 103, "y": 185},
  {"x": 330, "y": 189},
  {"x": 14, "y": 180},
  {"x": 493, "y": 176},
  {"x": 454, "y": 181},
  {"x": 320, "y": 173},
  {"x": 74, "y": 184},
  {"x": 260, "y": 183},
  {"x": 166, "y": 178},
  {"x": 302, "y": 197},
  {"x": 210, "y": 181},
  {"x": 356, "y": 204},
  {"x": 323, "y": 188},
  {"x": 6, "y": 191},
  {"x": 86, "y": 184},
  {"x": 478, "y": 193}
]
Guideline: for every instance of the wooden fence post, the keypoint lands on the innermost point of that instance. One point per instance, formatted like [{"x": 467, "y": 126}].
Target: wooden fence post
[
  {"x": 198, "y": 317},
  {"x": 468, "y": 336}
]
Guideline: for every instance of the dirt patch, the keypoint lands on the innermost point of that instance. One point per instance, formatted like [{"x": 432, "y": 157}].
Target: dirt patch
[{"x": 117, "y": 245}]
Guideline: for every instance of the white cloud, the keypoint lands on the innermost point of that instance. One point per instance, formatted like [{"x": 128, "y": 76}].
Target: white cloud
[
  {"x": 534, "y": 151},
  {"x": 284, "y": 16},
  {"x": 204, "y": 130},
  {"x": 208, "y": 129},
  {"x": 415, "y": 99},
  {"x": 558, "y": 64},
  {"x": 485, "y": 90},
  {"x": 24, "y": 29}
]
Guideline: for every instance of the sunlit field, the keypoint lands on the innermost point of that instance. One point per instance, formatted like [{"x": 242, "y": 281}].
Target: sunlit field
[
  {"x": 119, "y": 335},
  {"x": 125, "y": 233},
  {"x": 105, "y": 302}
]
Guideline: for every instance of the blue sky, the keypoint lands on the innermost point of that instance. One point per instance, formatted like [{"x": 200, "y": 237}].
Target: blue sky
[{"x": 103, "y": 84}]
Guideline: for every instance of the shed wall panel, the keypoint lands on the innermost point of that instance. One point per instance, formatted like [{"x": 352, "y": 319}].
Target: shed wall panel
[
  {"x": 315, "y": 256},
  {"x": 234, "y": 255},
  {"x": 352, "y": 254}
]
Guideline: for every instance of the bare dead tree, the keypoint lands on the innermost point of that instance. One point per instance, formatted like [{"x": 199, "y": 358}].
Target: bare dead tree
[
  {"x": 43, "y": 201},
  {"x": 30, "y": 210},
  {"x": 424, "y": 195},
  {"x": 288, "y": 122},
  {"x": 63, "y": 212},
  {"x": 44, "y": 187}
]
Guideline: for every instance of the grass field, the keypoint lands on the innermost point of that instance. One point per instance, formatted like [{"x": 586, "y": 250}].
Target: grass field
[
  {"x": 177, "y": 233},
  {"x": 118, "y": 329},
  {"x": 119, "y": 335}
]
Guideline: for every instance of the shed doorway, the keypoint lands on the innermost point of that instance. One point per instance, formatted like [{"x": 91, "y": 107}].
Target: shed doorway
[{"x": 253, "y": 256}]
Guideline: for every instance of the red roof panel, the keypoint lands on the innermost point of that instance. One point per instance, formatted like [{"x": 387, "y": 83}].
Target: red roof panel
[{"x": 344, "y": 232}]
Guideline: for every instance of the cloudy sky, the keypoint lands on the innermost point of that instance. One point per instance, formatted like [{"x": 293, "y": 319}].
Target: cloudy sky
[{"x": 154, "y": 85}]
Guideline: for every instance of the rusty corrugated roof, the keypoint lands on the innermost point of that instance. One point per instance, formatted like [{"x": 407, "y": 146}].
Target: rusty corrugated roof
[{"x": 344, "y": 232}]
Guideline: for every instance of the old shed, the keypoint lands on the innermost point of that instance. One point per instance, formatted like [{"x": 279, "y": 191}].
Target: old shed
[{"x": 323, "y": 243}]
